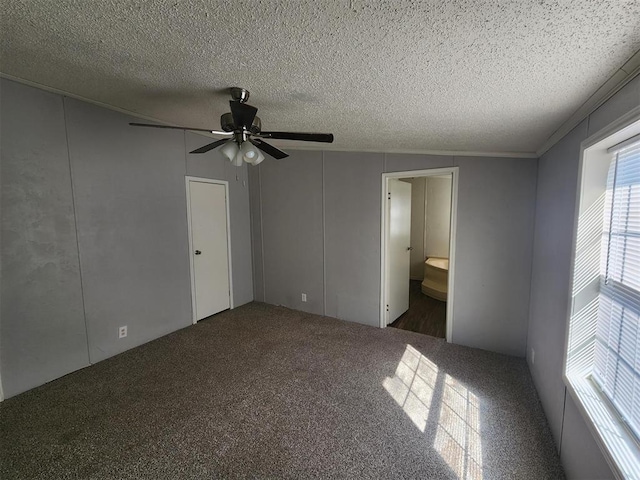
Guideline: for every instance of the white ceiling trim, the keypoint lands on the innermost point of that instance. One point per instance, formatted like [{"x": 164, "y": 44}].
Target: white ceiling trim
[
  {"x": 451, "y": 153},
  {"x": 617, "y": 81},
  {"x": 392, "y": 75},
  {"x": 79, "y": 97}
]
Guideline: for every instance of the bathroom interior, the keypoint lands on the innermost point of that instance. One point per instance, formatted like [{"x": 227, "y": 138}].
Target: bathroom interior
[{"x": 429, "y": 263}]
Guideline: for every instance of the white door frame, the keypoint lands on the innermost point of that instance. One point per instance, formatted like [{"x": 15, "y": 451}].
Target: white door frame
[
  {"x": 188, "y": 180},
  {"x": 454, "y": 171}
]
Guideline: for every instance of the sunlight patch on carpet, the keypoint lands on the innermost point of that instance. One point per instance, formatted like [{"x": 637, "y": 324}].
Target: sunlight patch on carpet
[
  {"x": 458, "y": 436},
  {"x": 420, "y": 389},
  {"x": 412, "y": 385}
]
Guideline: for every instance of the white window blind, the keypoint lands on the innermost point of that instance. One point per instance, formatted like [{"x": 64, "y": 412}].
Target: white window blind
[{"x": 617, "y": 348}]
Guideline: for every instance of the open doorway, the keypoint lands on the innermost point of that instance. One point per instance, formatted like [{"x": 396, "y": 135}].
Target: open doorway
[{"x": 418, "y": 258}]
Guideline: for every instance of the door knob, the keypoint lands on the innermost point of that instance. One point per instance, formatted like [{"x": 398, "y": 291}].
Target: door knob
[
  {"x": 409, "y": 248},
  {"x": 198, "y": 252}
]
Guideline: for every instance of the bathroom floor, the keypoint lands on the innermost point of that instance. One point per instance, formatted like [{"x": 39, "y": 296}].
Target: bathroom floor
[{"x": 425, "y": 315}]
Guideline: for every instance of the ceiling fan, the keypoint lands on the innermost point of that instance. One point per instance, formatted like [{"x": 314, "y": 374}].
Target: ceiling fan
[{"x": 244, "y": 131}]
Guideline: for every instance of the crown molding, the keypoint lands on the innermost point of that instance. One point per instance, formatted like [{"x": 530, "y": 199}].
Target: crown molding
[
  {"x": 81, "y": 98},
  {"x": 443, "y": 153},
  {"x": 451, "y": 153},
  {"x": 608, "y": 89}
]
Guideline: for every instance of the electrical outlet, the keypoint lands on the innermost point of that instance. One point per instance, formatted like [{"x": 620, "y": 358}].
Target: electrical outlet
[
  {"x": 122, "y": 332},
  {"x": 533, "y": 356},
  {"x": 304, "y": 297}
]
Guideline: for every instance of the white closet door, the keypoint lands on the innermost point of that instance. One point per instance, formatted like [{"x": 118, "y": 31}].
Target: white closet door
[{"x": 209, "y": 248}]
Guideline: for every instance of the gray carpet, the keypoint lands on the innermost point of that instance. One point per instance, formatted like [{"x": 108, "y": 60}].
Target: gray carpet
[{"x": 267, "y": 392}]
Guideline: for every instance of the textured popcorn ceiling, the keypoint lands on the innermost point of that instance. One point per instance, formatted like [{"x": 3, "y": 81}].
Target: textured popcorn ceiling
[{"x": 398, "y": 75}]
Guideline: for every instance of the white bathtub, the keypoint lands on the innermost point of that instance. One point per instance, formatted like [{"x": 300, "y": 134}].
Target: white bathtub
[{"x": 436, "y": 278}]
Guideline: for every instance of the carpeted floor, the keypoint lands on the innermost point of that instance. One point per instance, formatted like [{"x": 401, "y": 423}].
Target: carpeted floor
[{"x": 267, "y": 392}]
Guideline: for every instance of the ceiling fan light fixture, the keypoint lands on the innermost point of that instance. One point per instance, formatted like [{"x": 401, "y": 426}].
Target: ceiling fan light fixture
[
  {"x": 258, "y": 159},
  {"x": 230, "y": 150},
  {"x": 249, "y": 152},
  {"x": 238, "y": 159}
]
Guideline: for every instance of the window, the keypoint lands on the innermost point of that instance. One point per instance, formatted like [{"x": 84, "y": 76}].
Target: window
[
  {"x": 617, "y": 348},
  {"x": 602, "y": 368}
]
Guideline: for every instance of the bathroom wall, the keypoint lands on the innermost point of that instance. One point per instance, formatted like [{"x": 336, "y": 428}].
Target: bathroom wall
[
  {"x": 438, "y": 216},
  {"x": 430, "y": 220},
  {"x": 495, "y": 233},
  {"x": 551, "y": 277},
  {"x": 94, "y": 233},
  {"x": 418, "y": 189}
]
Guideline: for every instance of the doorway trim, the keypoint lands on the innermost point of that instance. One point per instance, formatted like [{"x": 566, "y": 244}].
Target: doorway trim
[
  {"x": 454, "y": 171},
  {"x": 188, "y": 179}
]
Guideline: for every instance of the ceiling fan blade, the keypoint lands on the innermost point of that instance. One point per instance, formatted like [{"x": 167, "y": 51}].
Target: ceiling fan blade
[
  {"x": 269, "y": 149},
  {"x": 210, "y": 146},
  {"x": 216, "y": 132},
  {"x": 243, "y": 114},
  {"x": 305, "y": 137}
]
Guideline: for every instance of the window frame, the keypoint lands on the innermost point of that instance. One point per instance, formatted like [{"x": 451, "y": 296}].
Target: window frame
[{"x": 616, "y": 441}]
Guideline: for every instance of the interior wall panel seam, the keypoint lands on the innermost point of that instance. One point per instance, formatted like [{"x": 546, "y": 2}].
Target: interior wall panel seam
[
  {"x": 324, "y": 245},
  {"x": 252, "y": 232},
  {"x": 264, "y": 280},
  {"x": 186, "y": 215},
  {"x": 533, "y": 235},
  {"x": 75, "y": 225}
]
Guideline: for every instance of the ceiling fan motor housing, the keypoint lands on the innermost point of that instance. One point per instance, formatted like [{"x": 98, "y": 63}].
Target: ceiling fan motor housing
[{"x": 227, "y": 124}]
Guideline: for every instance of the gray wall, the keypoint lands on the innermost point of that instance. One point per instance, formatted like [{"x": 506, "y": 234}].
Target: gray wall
[
  {"x": 128, "y": 186},
  {"x": 94, "y": 233},
  {"x": 42, "y": 325},
  {"x": 551, "y": 277},
  {"x": 255, "y": 209},
  {"x": 352, "y": 235},
  {"x": 496, "y": 199},
  {"x": 298, "y": 225},
  {"x": 494, "y": 242}
]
